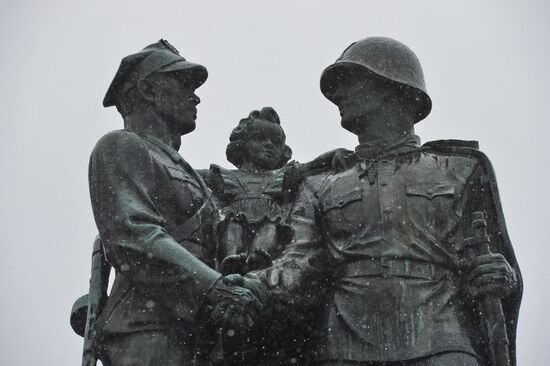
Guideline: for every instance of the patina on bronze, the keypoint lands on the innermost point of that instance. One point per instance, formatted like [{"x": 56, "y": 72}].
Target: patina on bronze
[
  {"x": 393, "y": 253},
  {"x": 377, "y": 245},
  {"x": 256, "y": 200},
  {"x": 155, "y": 219},
  {"x": 254, "y": 196},
  {"x": 493, "y": 321}
]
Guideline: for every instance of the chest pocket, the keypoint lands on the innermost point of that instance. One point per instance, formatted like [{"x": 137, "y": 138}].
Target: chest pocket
[
  {"x": 181, "y": 175},
  {"x": 432, "y": 205},
  {"x": 342, "y": 213},
  {"x": 430, "y": 190},
  {"x": 186, "y": 192}
]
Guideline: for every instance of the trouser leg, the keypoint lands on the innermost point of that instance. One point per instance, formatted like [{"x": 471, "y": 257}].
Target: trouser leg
[
  {"x": 151, "y": 348},
  {"x": 233, "y": 239}
]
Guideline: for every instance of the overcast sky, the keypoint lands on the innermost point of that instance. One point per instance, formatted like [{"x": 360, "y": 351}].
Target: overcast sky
[{"x": 486, "y": 66}]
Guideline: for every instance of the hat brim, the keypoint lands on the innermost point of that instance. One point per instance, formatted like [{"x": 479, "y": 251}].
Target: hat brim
[
  {"x": 196, "y": 73},
  {"x": 335, "y": 72}
]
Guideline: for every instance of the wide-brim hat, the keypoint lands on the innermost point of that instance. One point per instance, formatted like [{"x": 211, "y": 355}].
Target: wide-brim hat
[{"x": 160, "y": 57}]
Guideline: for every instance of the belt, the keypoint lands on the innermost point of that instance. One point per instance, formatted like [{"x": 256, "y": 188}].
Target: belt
[
  {"x": 389, "y": 267},
  {"x": 252, "y": 196}
]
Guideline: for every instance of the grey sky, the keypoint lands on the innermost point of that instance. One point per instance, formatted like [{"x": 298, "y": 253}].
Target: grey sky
[{"x": 486, "y": 66}]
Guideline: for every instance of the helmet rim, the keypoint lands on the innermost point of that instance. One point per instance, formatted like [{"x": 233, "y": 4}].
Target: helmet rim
[{"x": 332, "y": 72}]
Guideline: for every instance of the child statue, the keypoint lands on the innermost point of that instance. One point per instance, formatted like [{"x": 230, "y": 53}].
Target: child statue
[{"x": 256, "y": 198}]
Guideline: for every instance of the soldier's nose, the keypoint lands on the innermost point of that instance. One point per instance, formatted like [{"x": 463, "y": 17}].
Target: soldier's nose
[
  {"x": 337, "y": 96},
  {"x": 194, "y": 99}
]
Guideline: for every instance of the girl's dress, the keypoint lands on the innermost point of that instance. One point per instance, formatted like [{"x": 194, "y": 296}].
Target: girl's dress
[{"x": 255, "y": 205}]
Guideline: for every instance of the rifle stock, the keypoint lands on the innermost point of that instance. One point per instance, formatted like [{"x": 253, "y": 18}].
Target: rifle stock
[{"x": 97, "y": 296}]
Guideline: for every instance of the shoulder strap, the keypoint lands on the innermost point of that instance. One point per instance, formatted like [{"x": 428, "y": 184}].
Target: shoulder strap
[
  {"x": 187, "y": 230},
  {"x": 437, "y": 144}
]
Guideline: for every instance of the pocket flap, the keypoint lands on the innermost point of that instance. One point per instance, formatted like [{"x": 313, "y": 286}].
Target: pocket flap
[
  {"x": 182, "y": 175},
  {"x": 342, "y": 199},
  {"x": 430, "y": 190}
]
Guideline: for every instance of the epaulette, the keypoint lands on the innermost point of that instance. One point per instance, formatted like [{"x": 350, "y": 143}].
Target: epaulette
[
  {"x": 439, "y": 144},
  {"x": 225, "y": 173},
  {"x": 218, "y": 178}
]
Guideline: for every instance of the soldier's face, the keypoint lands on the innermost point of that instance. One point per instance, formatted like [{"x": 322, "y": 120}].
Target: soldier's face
[
  {"x": 177, "y": 102},
  {"x": 264, "y": 145},
  {"x": 358, "y": 96}
]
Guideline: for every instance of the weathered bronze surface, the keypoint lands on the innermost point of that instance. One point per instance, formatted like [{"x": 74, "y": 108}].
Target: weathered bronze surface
[
  {"x": 155, "y": 218},
  {"x": 378, "y": 245},
  {"x": 396, "y": 254},
  {"x": 255, "y": 201}
]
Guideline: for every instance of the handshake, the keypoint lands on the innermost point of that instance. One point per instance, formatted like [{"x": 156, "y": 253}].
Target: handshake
[{"x": 235, "y": 303}]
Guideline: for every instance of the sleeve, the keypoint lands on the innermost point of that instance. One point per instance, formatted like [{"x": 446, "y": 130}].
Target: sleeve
[
  {"x": 481, "y": 194},
  {"x": 122, "y": 182},
  {"x": 325, "y": 162},
  {"x": 297, "y": 277}
]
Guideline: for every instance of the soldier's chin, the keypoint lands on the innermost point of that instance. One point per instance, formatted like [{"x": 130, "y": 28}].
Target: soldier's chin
[
  {"x": 187, "y": 127},
  {"x": 350, "y": 124}
]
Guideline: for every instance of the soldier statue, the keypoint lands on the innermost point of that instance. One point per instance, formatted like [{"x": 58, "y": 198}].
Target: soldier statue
[
  {"x": 388, "y": 248},
  {"x": 155, "y": 219}
]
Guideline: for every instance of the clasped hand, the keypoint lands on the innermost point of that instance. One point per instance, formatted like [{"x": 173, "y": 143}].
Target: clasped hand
[{"x": 232, "y": 307}]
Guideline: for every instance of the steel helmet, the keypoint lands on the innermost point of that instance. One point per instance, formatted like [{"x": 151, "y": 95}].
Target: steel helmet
[{"x": 386, "y": 58}]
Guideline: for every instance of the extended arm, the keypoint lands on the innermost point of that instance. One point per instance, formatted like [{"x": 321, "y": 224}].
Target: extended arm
[
  {"x": 492, "y": 278},
  {"x": 297, "y": 279},
  {"x": 122, "y": 188},
  {"x": 333, "y": 159},
  {"x": 496, "y": 272}
]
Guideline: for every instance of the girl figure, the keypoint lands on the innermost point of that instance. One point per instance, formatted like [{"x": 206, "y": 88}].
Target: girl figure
[{"x": 256, "y": 197}]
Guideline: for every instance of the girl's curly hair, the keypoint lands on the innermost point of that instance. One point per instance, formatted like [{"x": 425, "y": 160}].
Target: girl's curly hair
[{"x": 235, "y": 151}]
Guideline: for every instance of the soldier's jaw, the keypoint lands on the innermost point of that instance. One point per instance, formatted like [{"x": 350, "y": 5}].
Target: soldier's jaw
[{"x": 186, "y": 123}]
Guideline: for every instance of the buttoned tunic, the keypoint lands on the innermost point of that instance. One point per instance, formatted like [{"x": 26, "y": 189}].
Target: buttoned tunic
[
  {"x": 154, "y": 217},
  {"x": 378, "y": 241}
]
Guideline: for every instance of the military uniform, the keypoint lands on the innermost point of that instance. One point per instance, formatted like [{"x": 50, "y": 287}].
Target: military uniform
[
  {"x": 376, "y": 246},
  {"x": 155, "y": 219}
]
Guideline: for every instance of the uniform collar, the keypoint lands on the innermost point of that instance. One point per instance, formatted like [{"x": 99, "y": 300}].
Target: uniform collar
[
  {"x": 174, "y": 155},
  {"x": 177, "y": 158},
  {"x": 384, "y": 147}
]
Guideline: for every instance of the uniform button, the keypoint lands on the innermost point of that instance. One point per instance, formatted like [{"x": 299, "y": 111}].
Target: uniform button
[
  {"x": 387, "y": 210},
  {"x": 430, "y": 192}
]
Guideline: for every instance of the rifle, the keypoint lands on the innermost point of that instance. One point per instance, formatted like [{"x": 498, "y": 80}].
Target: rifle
[
  {"x": 490, "y": 307},
  {"x": 97, "y": 296}
]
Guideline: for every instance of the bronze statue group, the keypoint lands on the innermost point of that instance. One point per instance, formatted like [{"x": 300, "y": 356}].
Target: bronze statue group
[{"x": 394, "y": 254}]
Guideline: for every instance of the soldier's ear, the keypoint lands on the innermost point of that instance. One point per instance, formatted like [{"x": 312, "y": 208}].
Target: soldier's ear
[
  {"x": 146, "y": 89},
  {"x": 287, "y": 154}
]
